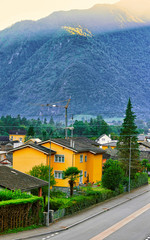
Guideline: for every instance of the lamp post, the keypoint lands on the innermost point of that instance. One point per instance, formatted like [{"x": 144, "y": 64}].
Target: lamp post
[
  {"x": 48, "y": 206},
  {"x": 129, "y": 167}
]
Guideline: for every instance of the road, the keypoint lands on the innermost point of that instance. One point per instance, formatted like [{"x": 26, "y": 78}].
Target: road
[{"x": 129, "y": 221}]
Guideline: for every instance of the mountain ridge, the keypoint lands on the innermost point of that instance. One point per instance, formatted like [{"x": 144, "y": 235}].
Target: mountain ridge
[{"x": 45, "y": 65}]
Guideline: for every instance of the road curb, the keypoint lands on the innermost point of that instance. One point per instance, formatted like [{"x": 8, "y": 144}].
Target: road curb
[{"x": 84, "y": 220}]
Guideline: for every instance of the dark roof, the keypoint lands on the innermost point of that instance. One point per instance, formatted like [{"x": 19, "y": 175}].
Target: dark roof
[
  {"x": 13, "y": 179},
  {"x": 17, "y": 132},
  {"x": 43, "y": 149},
  {"x": 112, "y": 153},
  {"x": 81, "y": 144},
  {"x": 111, "y": 144},
  {"x": 4, "y": 138},
  {"x": 145, "y": 144}
]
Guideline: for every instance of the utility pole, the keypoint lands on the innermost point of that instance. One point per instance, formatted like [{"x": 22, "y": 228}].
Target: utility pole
[
  {"x": 48, "y": 206},
  {"x": 66, "y": 119},
  {"x": 129, "y": 167},
  {"x": 66, "y": 114}
]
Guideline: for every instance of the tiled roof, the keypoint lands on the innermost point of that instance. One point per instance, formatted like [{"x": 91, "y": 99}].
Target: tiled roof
[
  {"x": 78, "y": 144},
  {"x": 111, "y": 144},
  {"x": 13, "y": 179},
  {"x": 34, "y": 146},
  {"x": 4, "y": 138},
  {"x": 145, "y": 144},
  {"x": 17, "y": 132}
]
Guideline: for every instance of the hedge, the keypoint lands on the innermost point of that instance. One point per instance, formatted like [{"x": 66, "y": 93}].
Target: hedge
[
  {"x": 78, "y": 203},
  {"x": 139, "y": 180},
  {"x": 102, "y": 195},
  {"x": 17, "y": 194},
  {"x": 20, "y": 213}
]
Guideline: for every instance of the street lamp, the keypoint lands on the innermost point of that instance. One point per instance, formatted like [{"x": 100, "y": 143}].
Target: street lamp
[
  {"x": 48, "y": 206},
  {"x": 129, "y": 167}
]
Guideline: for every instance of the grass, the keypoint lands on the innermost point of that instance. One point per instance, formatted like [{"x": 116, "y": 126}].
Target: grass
[{"x": 149, "y": 180}]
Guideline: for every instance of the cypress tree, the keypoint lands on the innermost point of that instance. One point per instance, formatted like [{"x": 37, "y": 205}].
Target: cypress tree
[{"x": 128, "y": 147}]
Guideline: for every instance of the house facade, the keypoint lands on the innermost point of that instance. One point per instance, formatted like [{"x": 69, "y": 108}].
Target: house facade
[
  {"x": 76, "y": 152},
  {"x": 111, "y": 145},
  {"x": 103, "y": 139},
  {"x": 62, "y": 153},
  {"x": 27, "y": 156},
  {"x": 18, "y": 135}
]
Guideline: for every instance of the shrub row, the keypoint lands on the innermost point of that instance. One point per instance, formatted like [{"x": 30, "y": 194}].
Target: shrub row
[
  {"x": 22, "y": 201},
  {"x": 139, "y": 180},
  {"x": 78, "y": 203},
  {"x": 16, "y": 213},
  {"x": 17, "y": 194}
]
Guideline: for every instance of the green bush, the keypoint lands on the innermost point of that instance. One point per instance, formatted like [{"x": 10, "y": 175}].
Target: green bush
[
  {"x": 139, "y": 180},
  {"x": 21, "y": 201},
  {"x": 56, "y": 203},
  {"x": 113, "y": 175},
  {"x": 17, "y": 194},
  {"x": 78, "y": 203},
  {"x": 56, "y": 193},
  {"x": 101, "y": 195}
]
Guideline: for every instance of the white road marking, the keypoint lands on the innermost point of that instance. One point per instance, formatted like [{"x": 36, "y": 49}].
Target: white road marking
[{"x": 120, "y": 224}]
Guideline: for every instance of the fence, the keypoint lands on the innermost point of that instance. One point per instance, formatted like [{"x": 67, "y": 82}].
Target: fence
[
  {"x": 19, "y": 215},
  {"x": 59, "y": 214}
]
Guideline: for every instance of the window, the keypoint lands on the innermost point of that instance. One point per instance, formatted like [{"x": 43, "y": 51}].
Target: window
[
  {"x": 11, "y": 138},
  {"x": 85, "y": 158},
  {"x": 81, "y": 158},
  {"x": 58, "y": 174},
  {"x": 20, "y": 139},
  {"x": 59, "y": 158},
  {"x": 85, "y": 174},
  {"x": 81, "y": 177}
]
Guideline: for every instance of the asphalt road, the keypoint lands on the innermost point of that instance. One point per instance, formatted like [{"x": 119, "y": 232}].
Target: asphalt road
[{"x": 129, "y": 221}]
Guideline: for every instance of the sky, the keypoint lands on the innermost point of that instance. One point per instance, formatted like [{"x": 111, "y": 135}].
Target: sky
[{"x": 12, "y": 11}]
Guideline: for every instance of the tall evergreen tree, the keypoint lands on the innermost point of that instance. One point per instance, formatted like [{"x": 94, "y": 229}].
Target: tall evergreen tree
[{"x": 128, "y": 147}]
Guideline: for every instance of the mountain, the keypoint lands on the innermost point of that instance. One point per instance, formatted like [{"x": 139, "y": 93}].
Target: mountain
[
  {"x": 138, "y": 8},
  {"x": 100, "y": 57}
]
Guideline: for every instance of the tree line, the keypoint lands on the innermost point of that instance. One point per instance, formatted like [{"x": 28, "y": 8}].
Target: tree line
[{"x": 50, "y": 129}]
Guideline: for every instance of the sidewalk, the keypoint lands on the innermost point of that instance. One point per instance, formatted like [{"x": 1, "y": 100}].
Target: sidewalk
[{"x": 84, "y": 215}]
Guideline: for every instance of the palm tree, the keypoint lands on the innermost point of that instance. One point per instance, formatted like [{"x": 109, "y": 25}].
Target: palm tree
[{"x": 72, "y": 173}]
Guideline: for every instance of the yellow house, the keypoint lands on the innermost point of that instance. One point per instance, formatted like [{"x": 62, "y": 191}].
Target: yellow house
[
  {"x": 77, "y": 152},
  {"x": 26, "y": 156},
  {"x": 111, "y": 145},
  {"x": 17, "y": 135}
]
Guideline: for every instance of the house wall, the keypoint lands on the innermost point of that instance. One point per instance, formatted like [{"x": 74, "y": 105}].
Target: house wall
[
  {"x": 25, "y": 159},
  {"x": 61, "y": 166},
  {"x": 104, "y": 139},
  {"x": 14, "y": 137},
  {"x": 106, "y": 147},
  {"x": 82, "y": 166},
  {"x": 93, "y": 166}
]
